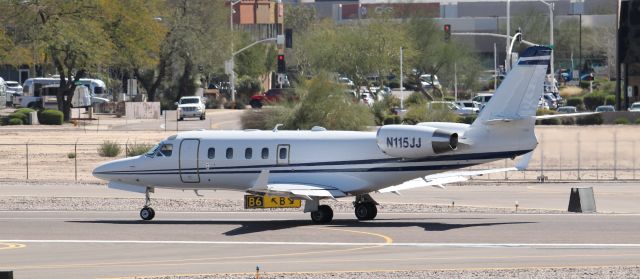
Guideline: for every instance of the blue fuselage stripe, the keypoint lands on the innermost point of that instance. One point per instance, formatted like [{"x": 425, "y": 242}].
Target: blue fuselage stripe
[{"x": 248, "y": 169}]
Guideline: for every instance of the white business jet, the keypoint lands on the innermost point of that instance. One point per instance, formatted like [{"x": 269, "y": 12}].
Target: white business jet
[{"x": 319, "y": 164}]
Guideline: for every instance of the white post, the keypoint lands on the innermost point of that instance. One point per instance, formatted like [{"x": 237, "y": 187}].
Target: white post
[
  {"x": 507, "y": 67},
  {"x": 495, "y": 66},
  {"x": 401, "y": 87},
  {"x": 550, "y": 5},
  {"x": 455, "y": 80},
  {"x": 232, "y": 77}
]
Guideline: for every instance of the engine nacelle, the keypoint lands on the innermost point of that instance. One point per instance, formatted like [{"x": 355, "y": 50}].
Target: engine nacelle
[{"x": 404, "y": 141}]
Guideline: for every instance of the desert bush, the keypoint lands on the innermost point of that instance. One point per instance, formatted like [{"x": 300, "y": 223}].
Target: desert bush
[
  {"x": 109, "y": 149},
  {"x": 467, "y": 119},
  {"x": 595, "y": 119},
  {"x": 638, "y": 120},
  {"x": 137, "y": 149},
  {"x": 576, "y": 102},
  {"x": 238, "y": 104},
  {"x": 416, "y": 98},
  {"x": 19, "y": 115},
  {"x": 392, "y": 119},
  {"x": 25, "y": 110},
  {"x": 265, "y": 119},
  {"x": 71, "y": 155},
  {"x": 51, "y": 117},
  {"x": 420, "y": 113},
  {"x": 15, "y": 121},
  {"x": 610, "y": 100},
  {"x": 621, "y": 121},
  {"x": 593, "y": 100}
]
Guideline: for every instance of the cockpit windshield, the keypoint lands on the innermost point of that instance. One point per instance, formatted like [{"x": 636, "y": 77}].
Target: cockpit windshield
[{"x": 160, "y": 150}]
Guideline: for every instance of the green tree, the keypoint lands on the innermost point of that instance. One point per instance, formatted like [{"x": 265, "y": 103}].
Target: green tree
[{"x": 60, "y": 29}]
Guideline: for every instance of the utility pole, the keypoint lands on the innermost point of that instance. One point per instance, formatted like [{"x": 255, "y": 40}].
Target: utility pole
[{"x": 401, "y": 83}]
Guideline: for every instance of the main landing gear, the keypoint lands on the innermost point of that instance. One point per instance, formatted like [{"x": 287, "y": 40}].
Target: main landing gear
[
  {"x": 147, "y": 213},
  {"x": 365, "y": 207}
]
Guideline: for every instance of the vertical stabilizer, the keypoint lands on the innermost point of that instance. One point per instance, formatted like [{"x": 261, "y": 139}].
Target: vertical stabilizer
[{"x": 517, "y": 96}]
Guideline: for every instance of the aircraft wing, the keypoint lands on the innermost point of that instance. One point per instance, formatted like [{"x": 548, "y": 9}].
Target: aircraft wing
[
  {"x": 304, "y": 191},
  {"x": 440, "y": 179}
]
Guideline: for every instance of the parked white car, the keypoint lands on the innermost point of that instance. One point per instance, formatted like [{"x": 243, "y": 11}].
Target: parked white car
[
  {"x": 191, "y": 106},
  {"x": 482, "y": 98},
  {"x": 470, "y": 104},
  {"x": 445, "y": 105},
  {"x": 425, "y": 80},
  {"x": 635, "y": 107}
]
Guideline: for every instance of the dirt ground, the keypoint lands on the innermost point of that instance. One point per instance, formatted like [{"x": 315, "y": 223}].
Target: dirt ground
[{"x": 569, "y": 152}]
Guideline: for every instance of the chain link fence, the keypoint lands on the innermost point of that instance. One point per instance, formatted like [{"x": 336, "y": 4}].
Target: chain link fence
[{"x": 574, "y": 156}]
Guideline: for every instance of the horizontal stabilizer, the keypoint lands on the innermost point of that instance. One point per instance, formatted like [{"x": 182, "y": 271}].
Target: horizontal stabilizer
[{"x": 551, "y": 116}]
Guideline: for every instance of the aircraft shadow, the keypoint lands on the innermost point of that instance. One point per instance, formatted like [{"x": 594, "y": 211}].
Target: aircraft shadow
[{"x": 249, "y": 227}]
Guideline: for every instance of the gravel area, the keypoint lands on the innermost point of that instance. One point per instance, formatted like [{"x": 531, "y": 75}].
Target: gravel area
[
  {"x": 15, "y": 203},
  {"x": 569, "y": 272}
]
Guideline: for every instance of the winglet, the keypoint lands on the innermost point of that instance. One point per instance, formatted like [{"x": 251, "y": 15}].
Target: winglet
[
  {"x": 262, "y": 181},
  {"x": 524, "y": 161}
]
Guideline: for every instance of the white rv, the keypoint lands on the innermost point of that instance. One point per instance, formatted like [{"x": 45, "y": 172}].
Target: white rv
[{"x": 32, "y": 91}]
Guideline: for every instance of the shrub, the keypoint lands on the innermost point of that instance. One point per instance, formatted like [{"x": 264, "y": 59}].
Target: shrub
[
  {"x": 109, "y": 149},
  {"x": 621, "y": 121},
  {"x": 235, "y": 105},
  {"x": 137, "y": 149},
  {"x": 71, "y": 155},
  {"x": 610, "y": 100},
  {"x": 576, "y": 102},
  {"x": 264, "y": 119},
  {"x": 638, "y": 120},
  {"x": 51, "y": 117},
  {"x": 15, "y": 121},
  {"x": 593, "y": 100},
  {"x": 416, "y": 98},
  {"x": 420, "y": 113},
  {"x": 392, "y": 119},
  {"x": 467, "y": 119},
  {"x": 19, "y": 115},
  {"x": 594, "y": 119},
  {"x": 550, "y": 121},
  {"x": 4, "y": 121},
  {"x": 568, "y": 121},
  {"x": 25, "y": 110}
]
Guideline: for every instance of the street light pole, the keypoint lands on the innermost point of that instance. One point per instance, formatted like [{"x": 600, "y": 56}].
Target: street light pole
[
  {"x": 401, "y": 88},
  {"x": 232, "y": 79},
  {"x": 550, "y": 5}
]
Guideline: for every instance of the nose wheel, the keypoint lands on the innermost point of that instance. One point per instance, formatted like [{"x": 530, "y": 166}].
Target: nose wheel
[{"x": 147, "y": 213}]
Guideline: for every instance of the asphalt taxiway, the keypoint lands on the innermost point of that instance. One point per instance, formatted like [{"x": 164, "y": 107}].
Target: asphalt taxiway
[{"x": 93, "y": 244}]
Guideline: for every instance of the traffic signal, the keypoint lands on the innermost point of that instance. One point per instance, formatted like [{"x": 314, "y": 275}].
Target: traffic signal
[
  {"x": 288, "y": 38},
  {"x": 282, "y": 68},
  {"x": 447, "y": 32}
]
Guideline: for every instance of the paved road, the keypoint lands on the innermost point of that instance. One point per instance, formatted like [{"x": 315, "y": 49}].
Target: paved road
[
  {"x": 112, "y": 244},
  {"x": 217, "y": 119}
]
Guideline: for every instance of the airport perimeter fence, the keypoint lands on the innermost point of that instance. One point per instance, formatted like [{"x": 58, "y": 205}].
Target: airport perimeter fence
[{"x": 579, "y": 157}]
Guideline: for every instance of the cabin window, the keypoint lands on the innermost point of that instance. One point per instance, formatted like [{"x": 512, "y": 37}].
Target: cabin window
[
  {"x": 265, "y": 153},
  {"x": 229, "y": 153},
  {"x": 283, "y": 153},
  {"x": 248, "y": 153},
  {"x": 166, "y": 150},
  {"x": 211, "y": 153}
]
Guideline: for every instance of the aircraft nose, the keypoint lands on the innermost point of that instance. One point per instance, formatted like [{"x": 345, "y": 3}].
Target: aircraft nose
[{"x": 108, "y": 170}]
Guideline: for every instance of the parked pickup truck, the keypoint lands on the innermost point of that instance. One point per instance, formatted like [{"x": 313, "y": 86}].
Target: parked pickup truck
[{"x": 191, "y": 106}]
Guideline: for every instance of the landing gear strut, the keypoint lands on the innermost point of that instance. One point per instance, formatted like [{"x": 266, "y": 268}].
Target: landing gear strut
[
  {"x": 365, "y": 207},
  {"x": 147, "y": 213}
]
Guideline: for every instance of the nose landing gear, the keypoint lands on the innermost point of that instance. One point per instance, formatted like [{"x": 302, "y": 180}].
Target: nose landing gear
[{"x": 147, "y": 213}]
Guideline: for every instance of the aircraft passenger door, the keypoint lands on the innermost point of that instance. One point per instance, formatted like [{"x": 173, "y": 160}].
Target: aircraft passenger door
[
  {"x": 282, "y": 154},
  {"x": 189, "y": 172}
]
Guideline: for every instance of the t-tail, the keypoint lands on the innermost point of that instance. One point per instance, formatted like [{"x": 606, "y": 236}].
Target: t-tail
[{"x": 507, "y": 120}]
